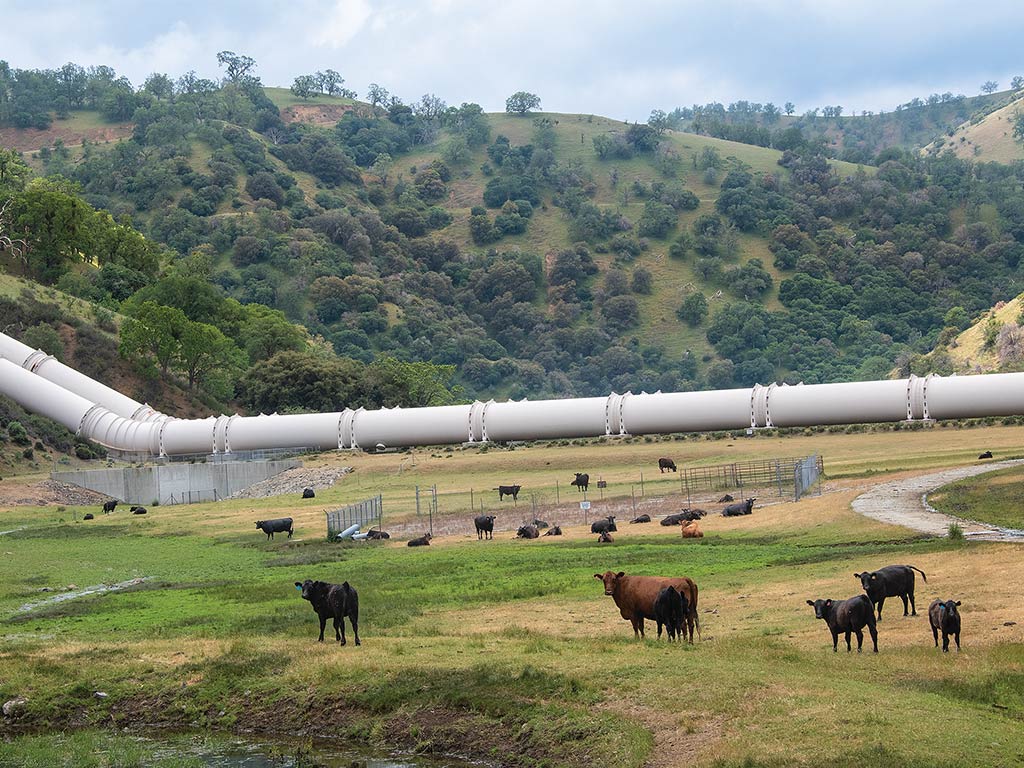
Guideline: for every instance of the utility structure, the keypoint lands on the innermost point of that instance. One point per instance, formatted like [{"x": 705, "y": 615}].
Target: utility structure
[{"x": 42, "y": 384}]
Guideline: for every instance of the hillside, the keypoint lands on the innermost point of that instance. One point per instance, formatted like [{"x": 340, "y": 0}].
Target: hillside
[{"x": 986, "y": 137}]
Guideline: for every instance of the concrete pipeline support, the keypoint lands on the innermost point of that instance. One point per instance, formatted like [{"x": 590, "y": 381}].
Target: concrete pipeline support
[{"x": 120, "y": 424}]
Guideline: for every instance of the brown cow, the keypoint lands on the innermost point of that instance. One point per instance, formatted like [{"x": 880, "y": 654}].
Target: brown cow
[
  {"x": 691, "y": 530},
  {"x": 635, "y": 597}
]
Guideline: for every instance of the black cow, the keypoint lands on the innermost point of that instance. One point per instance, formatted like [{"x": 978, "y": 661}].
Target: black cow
[
  {"x": 741, "y": 508},
  {"x": 668, "y": 464},
  {"x": 308, "y": 493},
  {"x": 508, "y": 490},
  {"x": 682, "y": 517},
  {"x": 986, "y": 455},
  {"x": 540, "y": 523},
  {"x": 333, "y": 601},
  {"x": 554, "y": 530},
  {"x": 582, "y": 481},
  {"x": 726, "y": 499},
  {"x": 279, "y": 525},
  {"x": 641, "y": 519},
  {"x": 484, "y": 526},
  {"x": 847, "y": 616},
  {"x": 88, "y": 516},
  {"x": 605, "y": 538},
  {"x": 527, "y": 532},
  {"x": 109, "y": 506},
  {"x": 670, "y": 609},
  {"x": 139, "y": 510},
  {"x": 943, "y": 615},
  {"x": 604, "y": 525},
  {"x": 373, "y": 533},
  {"x": 422, "y": 541},
  {"x": 891, "y": 581}
]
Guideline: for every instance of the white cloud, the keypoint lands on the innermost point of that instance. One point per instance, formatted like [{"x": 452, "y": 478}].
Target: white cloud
[{"x": 342, "y": 23}]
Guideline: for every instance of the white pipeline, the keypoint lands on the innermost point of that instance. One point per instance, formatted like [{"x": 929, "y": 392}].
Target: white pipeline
[{"x": 118, "y": 423}]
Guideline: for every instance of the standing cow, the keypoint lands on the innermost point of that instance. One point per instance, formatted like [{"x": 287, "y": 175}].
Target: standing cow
[
  {"x": 484, "y": 526},
  {"x": 635, "y": 596},
  {"x": 278, "y": 525},
  {"x": 582, "y": 481},
  {"x": 666, "y": 464},
  {"x": 332, "y": 601},
  {"x": 670, "y": 610},
  {"x": 944, "y": 616},
  {"x": 508, "y": 490},
  {"x": 847, "y": 616},
  {"x": 891, "y": 581},
  {"x": 109, "y": 506}
]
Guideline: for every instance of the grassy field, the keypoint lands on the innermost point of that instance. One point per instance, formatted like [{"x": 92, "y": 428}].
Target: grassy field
[
  {"x": 996, "y": 498},
  {"x": 508, "y": 651}
]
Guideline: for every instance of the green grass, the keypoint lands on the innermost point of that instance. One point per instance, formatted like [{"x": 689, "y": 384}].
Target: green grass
[{"x": 995, "y": 497}]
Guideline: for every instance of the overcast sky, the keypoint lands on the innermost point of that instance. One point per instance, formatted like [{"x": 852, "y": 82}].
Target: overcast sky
[{"x": 618, "y": 59}]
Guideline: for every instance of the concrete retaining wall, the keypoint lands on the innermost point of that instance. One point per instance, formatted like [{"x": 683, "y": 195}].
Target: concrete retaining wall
[{"x": 176, "y": 483}]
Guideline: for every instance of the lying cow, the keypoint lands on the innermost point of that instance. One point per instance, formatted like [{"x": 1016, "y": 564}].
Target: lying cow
[
  {"x": 88, "y": 516},
  {"x": 540, "y": 523},
  {"x": 109, "y": 506},
  {"x": 986, "y": 455},
  {"x": 944, "y": 616},
  {"x": 308, "y": 493},
  {"x": 641, "y": 519},
  {"x": 527, "y": 532},
  {"x": 740, "y": 508},
  {"x": 691, "y": 530},
  {"x": 668, "y": 464},
  {"x": 332, "y": 601},
  {"x": 374, "y": 533},
  {"x": 422, "y": 541},
  {"x": 670, "y": 610},
  {"x": 582, "y": 481},
  {"x": 604, "y": 525},
  {"x": 484, "y": 526},
  {"x": 635, "y": 596},
  {"x": 891, "y": 581},
  {"x": 279, "y": 525},
  {"x": 605, "y": 538},
  {"x": 508, "y": 490},
  {"x": 554, "y": 530},
  {"x": 847, "y": 616},
  {"x": 139, "y": 510},
  {"x": 685, "y": 515},
  {"x": 726, "y": 499}
]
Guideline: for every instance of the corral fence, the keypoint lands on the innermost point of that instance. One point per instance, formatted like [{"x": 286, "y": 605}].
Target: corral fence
[
  {"x": 193, "y": 497},
  {"x": 806, "y": 475},
  {"x": 365, "y": 514},
  {"x": 790, "y": 476}
]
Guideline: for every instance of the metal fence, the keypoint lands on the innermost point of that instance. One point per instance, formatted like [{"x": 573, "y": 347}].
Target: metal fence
[
  {"x": 367, "y": 513},
  {"x": 193, "y": 497},
  {"x": 806, "y": 474}
]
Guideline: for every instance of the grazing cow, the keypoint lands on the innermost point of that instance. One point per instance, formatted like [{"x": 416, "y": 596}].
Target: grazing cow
[
  {"x": 279, "y": 525},
  {"x": 604, "y": 525},
  {"x": 847, "y": 616},
  {"x": 374, "y": 533},
  {"x": 986, "y": 455},
  {"x": 422, "y": 541},
  {"x": 605, "y": 538},
  {"x": 670, "y": 610},
  {"x": 741, "y": 508},
  {"x": 508, "y": 490},
  {"x": 308, "y": 493},
  {"x": 540, "y": 523},
  {"x": 641, "y": 519},
  {"x": 726, "y": 499},
  {"x": 635, "y": 595},
  {"x": 139, "y": 510},
  {"x": 943, "y": 615},
  {"x": 581, "y": 482},
  {"x": 527, "y": 532},
  {"x": 668, "y": 464},
  {"x": 891, "y": 581},
  {"x": 691, "y": 530},
  {"x": 484, "y": 526},
  {"x": 554, "y": 530},
  {"x": 333, "y": 601},
  {"x": 88, "y": 516},
  {"x": 109, "y": 506}
]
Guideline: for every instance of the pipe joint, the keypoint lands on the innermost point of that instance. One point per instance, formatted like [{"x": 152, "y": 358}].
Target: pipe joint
[{"x": 760, "y": 412}]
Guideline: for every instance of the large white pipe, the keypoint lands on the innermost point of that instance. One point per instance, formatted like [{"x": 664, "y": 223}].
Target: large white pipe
[{"x": 94, "y": 413}]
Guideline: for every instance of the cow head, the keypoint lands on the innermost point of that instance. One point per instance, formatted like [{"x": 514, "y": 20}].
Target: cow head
[
  {"x": 309, "y": 588},
  {"x": 867, "y": 580},
  {"x": 821, "y": 608},
  {"x": 611, "y": 581},
  {"x": 259, "y": 523},
  {"x": 490, "y": 518},
  {"x": 948, "y": 608}
]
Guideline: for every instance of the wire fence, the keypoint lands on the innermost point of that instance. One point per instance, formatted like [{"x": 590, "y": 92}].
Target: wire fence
[{"x": 368, "y": 513}]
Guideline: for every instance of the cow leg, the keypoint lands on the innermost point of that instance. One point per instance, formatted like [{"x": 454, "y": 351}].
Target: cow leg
[
  {"x": 290, "y": 532},
  {"x": 341, "y": 623},
  {"x": 913, "y": 608},
  {"x": 847, "y": 634},
  {"x": 337, "y": 634},
  {"x": 835, "y": 641},
  {"x": 874, "y": 636},
  {"x": 945, "y": 642},
  {"x": 903, "y": 597},
  {"x": 659, "y": 631},
  {"x": 935, "y": 634},
  {"x": 957, "y": 635},
  {"x": 881, "y": 602},
  {"x": 355, "y": 628},
  {"x": 860, "y": 639},
  {"x": 323, "y": 624},
  {"x": 638, "y": 627}
]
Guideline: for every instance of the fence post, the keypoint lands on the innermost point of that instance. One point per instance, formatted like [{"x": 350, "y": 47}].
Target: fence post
[
  {"x": 558, "y": 499},
  {"x": 778, "y": 475},
  {"x": 417, "y": 501},
  {"x": 472, "y": 505},
  {"x": 642, "y": 484}
]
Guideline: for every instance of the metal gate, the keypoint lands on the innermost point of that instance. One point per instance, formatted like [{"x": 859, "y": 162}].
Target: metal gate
[
  {"x": 364, "y": 514},
  {"x": 806, "y": 473}
]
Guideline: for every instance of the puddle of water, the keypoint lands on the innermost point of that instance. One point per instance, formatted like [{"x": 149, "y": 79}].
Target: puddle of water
[{"x": 98, "y": 589}]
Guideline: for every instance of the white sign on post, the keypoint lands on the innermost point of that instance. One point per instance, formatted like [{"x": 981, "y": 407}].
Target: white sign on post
[{"x": 584, "y": 505}]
